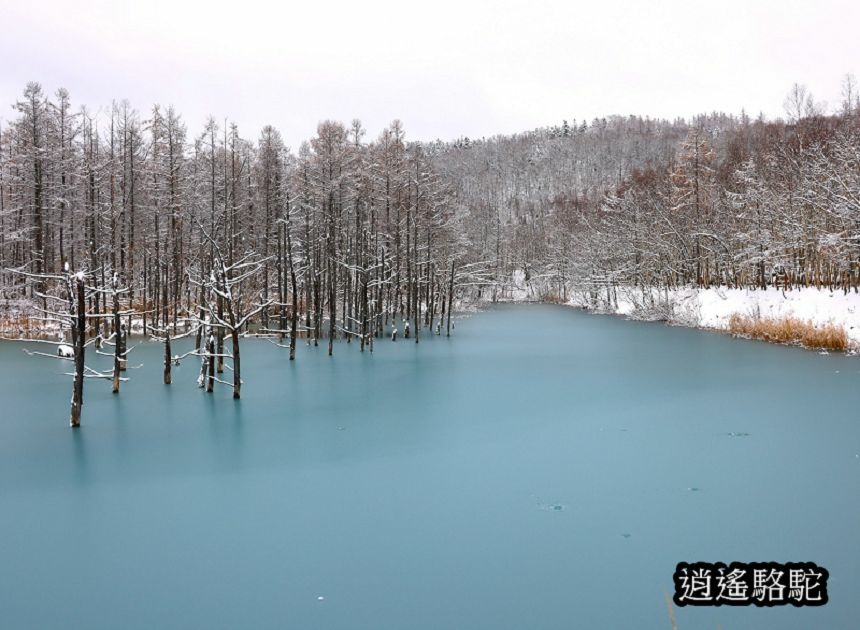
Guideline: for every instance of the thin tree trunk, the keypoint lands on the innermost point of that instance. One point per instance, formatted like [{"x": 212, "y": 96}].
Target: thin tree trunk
[
  {"x": 294, "y": 310},
  {"x": 117, "y": 356},
  {"x": 167, "y": 359},
  {"x": 237, "y": 372},
  {"x": 220, "y": 336},
  {"x": 78, "y": 337},
  {"x": 210, "y": 349},
  {"x": 450, "y": 298}
]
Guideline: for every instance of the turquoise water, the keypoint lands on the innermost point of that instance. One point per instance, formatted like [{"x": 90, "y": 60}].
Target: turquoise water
[{"x": 534, "y": 471}]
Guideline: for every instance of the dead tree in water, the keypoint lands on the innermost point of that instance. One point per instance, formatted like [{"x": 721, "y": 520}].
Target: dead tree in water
[
  {"x": 120, "y": 336},
  {"x": 168, "y": 360},
  {"x": 65, "y": 296},
  {"x": 77, "y": 310},
  {"x": 450, "y": 298},
  {"x": 205, "y": 349},
  {"x": 210, "y": 363},
  {"x": 206, "y": 352},
  {"x": 228, "y": 282},
  {"x": 163, "y": 335},
  {"x": 294, "y": 307}
]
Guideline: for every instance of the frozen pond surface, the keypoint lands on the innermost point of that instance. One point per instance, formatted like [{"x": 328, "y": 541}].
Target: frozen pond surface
[{"x": 543, "y": 469}]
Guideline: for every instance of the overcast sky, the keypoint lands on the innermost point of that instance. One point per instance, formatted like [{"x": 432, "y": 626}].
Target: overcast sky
[{"x": 445, "y": 68}]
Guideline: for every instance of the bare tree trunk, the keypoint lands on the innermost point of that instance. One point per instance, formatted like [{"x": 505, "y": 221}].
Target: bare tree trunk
[
  {"x": 79, "y": 331},
  {"x": 282, "y": 281},
  {"x": 431, "y": 298},
  {"x": 202, "y": 349},
  {"x": 332, "y": 304},
  {"x": 365, "y": 332},
  {"x": 294, "y": 310},
  {"x": 210, "y": 349},
  {"x": 122, "y": 344},
  {"x": 450, "y": 298},
  {"x": 117, "y": 347},
  {"x": 219, "y": 334},
  {"x": 198, "y": 341},
  {"x": 167, "y": 359},
  {"x": 237, "y": 372}
]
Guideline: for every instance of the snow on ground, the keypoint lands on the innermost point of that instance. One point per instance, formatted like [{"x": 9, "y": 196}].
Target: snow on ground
[
  {"x": 518, "y": 289},
  {"x": 706, "y": 308},
  {"x": 21, "y": 318},
  {"x": 712, "y": 308},
  {"x": 703, "y": 308},
  {"x": 818, "y": 306}
]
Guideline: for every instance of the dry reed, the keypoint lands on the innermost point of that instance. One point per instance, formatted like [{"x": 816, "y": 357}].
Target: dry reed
[{"x": 790, "y": 330}]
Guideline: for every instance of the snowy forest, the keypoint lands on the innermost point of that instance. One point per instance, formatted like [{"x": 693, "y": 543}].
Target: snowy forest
[
  {"x": 341, "y": 231},
  {"x": 127, "y": 221},
  {"x": 351, "y": 231},
  {"x": 717, "y": 201}
]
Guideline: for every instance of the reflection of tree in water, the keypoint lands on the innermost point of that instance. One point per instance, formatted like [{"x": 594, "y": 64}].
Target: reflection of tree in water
[{"x": 81, "y": 469}]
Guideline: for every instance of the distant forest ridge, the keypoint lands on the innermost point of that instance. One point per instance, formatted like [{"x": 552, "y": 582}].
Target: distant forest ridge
[
  {"x": 627, "y": 201},
  {"x": 350, "y": 232}
]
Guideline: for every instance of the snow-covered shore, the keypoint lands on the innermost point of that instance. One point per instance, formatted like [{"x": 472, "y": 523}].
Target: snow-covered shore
[
  {"x": 708, "y": 308},
  {"x": 21, "y": 318},
  {"x": 712, "y": 308},
  {"x": 698, "y": 308}
]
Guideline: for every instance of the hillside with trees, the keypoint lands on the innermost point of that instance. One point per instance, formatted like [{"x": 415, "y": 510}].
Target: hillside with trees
[
  {"x": 632, "y": 202},
  {"x": 342, "y": 235}
]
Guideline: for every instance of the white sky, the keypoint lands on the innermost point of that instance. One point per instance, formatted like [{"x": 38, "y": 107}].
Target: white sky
[{"x": 445, "y": 68}]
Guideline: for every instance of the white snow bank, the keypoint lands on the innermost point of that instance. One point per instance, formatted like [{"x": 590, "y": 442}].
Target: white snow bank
[
  {"x": 712, "y": 308},
  {"x": 818, "y": 306},
  {"x": 22, "y": 318}
]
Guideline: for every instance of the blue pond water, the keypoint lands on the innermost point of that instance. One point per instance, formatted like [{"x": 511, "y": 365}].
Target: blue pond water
[{"x": 544, "y": 468}]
